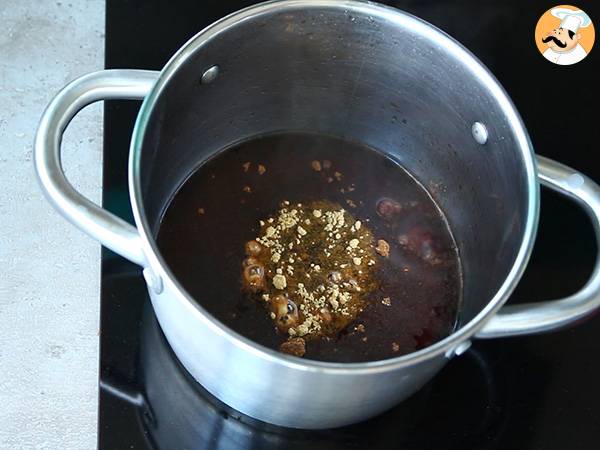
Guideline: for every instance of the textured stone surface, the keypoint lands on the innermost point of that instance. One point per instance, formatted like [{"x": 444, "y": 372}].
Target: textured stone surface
[{"x": 49, "y": 286}]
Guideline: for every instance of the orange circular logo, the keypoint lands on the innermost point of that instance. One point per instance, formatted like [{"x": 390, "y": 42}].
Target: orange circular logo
[{"x": 564, "y": 35}]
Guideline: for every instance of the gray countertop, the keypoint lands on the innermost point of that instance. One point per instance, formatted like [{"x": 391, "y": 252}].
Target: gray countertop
[{"x": 49, "y": 288}]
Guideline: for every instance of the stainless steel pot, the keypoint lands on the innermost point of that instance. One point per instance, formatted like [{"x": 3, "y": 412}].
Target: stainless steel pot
[{"x": 356, "y": 70}]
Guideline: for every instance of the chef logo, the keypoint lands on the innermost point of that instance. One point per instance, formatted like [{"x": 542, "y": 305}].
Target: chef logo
[{"x": 564, "y": 35}]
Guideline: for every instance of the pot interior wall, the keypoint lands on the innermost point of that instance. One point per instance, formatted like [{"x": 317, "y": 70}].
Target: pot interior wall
[{"x": 368, "y": 78}]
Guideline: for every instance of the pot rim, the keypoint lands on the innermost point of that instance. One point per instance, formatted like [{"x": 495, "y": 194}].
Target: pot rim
[{"x": 446, "y": 346}]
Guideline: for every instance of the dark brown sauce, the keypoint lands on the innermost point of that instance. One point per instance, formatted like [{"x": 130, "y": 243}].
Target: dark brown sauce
[{"x": 213, "y": 214}]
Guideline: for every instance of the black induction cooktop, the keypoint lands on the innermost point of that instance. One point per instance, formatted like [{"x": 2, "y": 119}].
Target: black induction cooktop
[{"x": 536, "y": 392}]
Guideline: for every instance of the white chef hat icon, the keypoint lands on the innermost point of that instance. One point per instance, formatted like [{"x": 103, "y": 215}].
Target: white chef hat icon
[{"x": 571, "y": 19}]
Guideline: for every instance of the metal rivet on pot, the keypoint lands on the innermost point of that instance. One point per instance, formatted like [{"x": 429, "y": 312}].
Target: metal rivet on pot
[
  {"x": 154, "y": 282},
  {"x": 480, "y": 133},
  {"x": 575, "y": 181},
  {"x": 210, "y": 74},
  {"x": 462, "y": 347},
  {"x": 459, "y": 349}
]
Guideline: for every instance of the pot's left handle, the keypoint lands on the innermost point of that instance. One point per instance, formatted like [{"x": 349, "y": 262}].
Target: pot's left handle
[{"x": 102, "y": 225}]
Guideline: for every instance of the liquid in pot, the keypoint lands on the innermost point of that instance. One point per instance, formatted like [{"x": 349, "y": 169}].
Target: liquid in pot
[{"x": 415, "y": 282}]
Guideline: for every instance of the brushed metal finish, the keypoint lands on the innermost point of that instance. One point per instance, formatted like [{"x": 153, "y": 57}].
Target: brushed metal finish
[
  {"x": 352, "y": 69},
  {"x": 107, "y": 228},
  {"x": 540, "y": 317}
]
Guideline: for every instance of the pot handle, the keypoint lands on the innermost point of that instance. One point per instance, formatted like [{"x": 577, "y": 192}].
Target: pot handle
[
  {"x": 102, "y": 225},
  {"x": 531, "y": 318}
]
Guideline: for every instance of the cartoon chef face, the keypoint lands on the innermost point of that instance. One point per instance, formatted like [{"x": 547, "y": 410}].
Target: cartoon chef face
[{"x": 561, "y": 39}]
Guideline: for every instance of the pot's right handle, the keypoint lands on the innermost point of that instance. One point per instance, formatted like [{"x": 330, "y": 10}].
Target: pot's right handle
[
  {"x": 109, "y": 229},
  {"x": 530, "y": 318}
]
